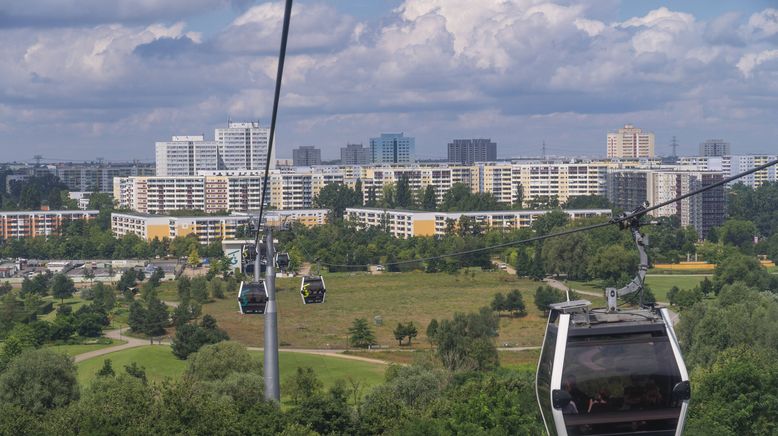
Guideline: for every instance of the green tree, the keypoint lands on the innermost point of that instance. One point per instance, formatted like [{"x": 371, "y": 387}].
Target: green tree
[
  {"x": 361, "y": 334},
  {"x": 739, "y": 233},
  {"x": 137, "y": 318},
  {"x": 466, "y": 342},
  {"x": 613, "y": 263},
  {"x": 194, "y": 258},
  {"x": 545, "y": 296},
  {"x": 217, "y": 361},
  {"x": 498, "y": 302},
  {"x": 404, "y": 195},
  {"x": 567, "y": 255},
  {"x": 39, "y": 380},
  {"x": 432, "y": 330},
  {"x": 199, "y": 290},
  {"x": 523, "y": 263},
  {"x": 62, "y": 287},
  {"x": 106, "y": 370},
  {"x": 336, "y": 197},
  {"x": 137, "y": 371},
  {"x": 190, "y": 338},
  {"x": 429, "y": 200},
  {"x": 587, "y": 202},
  {"x": 302, "y": 384},
  {"x": 217, "y": 289},
  {"x": 184, "y": 287},
  {"x": 514, "y": 302}
]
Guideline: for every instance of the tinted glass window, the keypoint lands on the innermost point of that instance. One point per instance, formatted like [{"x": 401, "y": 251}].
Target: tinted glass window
[
  {"x": 620, "y": 383},
  {"x": 544, "y": 377}
]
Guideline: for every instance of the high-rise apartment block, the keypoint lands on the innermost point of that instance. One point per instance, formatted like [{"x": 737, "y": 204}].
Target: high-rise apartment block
[
  {"x": 628, "y": 189},
  {"x": 393, "y": 148},
  {"x": 469, "y": 151},
  {"x": 355, "y": 154},
  {"x": 30, "y": 224},
  {"x": 306, "y": 156},
  {"x": 98, "y": 177},
  {"x": 714, "y": 147},
  {"x": 243, "y": 146},
  {"x": 186, "y": 155},
  {"x": 630, "y": 142}
]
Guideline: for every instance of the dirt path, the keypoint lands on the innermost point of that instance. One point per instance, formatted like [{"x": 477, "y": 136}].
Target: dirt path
[{"x": 113, "y": 334}]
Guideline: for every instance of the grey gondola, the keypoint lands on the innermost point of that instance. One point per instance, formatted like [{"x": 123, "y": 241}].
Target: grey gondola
[
  {"x": 282, "y": 261},
  {"x": 610, "y": 371},
  {"x": 313, "y": 290},
  {"x": 252, "y": 297}
]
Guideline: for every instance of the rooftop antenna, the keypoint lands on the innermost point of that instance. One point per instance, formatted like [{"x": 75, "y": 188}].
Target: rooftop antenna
[{"x": 544, "y": 150}]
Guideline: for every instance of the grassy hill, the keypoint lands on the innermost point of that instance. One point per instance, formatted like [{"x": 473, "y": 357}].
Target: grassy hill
[{"x": 395, "y": 297}]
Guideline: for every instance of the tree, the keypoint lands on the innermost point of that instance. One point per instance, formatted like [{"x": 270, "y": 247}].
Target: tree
[
  {"x": 466, "y": 342},
  {"x": 194, "y": 258},
  {"x": 587, "y": 202},
  {"x": 184, "y": 286},
  {"x": 739, "y": 233},
  {"x": 613, "y": 263},
  {"x": 361, "y": 334},
  {"x": 567, "y": 255},
  {"x": 156, "y": 277},
  {"x": 62, "y": 287},
  {"x": 217, "y": 289},
  {"x": 190, "y": 338},
  {"x": 514, "y": 302},
  {"x": 404, "y": 195},
  {"x": 429, "y": 200},
  {"x": 498, "y": 302},
  {"x": 137, "y": 371},
  {"x": 405, "y": 330},
  {"x": 88, "y": 274},
  {"x": 137, "y": 318},
  {"x": 336, "y": 197},
  {"x": 523, "y": 263},
  {"x": 545, "y": 296},
  {"x": 303, "y": 384},
  {"x": 5, "y": 288},
  {"x": 39, "y": 380},
  {"x": 199, "y": 290},
  {"x": 432, "y": 330},
  {"x": 157, "y": 318},
  {"x": 217, "y": 361},
  {"x": 106, "y": 370}
]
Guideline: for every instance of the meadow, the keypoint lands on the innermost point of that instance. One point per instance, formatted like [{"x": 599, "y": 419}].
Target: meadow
[{"x": 393, "y": 297}]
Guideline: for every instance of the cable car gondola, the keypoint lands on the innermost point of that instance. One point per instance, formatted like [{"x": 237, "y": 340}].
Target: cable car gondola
[
  {"x": 252, "y": 297},
  {"x": 249, "y": 256},
  {"x": 282, "y": 261},
  {"x": 611, "y": 371},
  {"x": 313, "y": 290}
]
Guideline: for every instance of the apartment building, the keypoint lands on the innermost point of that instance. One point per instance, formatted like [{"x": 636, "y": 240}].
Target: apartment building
[
  {"x": 469, "y": 151},
  {"x": 628, "y": 189},
  {"x": 29, "y": 224},
  {"x": 715, "y": 147},
  {"x": 355, "y": 154},
  {"x": 186, "y": 155},
  {"x": 243, "y": 146},
  {"x": 98, "y": 177},
  {"x": 306, "y": 156},
  {"x": 406, "y": 224},
  {"x": 207, "y": 228},
  {"x": 630, "y": 142},
  {"x": 392, "y": 148}
]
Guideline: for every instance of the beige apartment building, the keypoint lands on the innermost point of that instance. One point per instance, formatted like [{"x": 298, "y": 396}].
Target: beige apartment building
[{"x": 630, "y": 142}]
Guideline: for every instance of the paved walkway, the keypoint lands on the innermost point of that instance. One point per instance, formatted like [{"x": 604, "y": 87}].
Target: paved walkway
[{"x": 113, "y": 334}]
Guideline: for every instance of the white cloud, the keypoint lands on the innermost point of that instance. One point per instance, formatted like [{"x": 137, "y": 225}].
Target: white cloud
[
  {"x": 750, "y": 61},
  {"x": 764, "y": 23}
]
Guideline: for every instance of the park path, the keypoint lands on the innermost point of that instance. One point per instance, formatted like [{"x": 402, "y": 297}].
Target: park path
[{"x": 113, "y": 334}]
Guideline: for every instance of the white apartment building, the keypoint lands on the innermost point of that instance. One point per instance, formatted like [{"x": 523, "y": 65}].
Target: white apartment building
[
  {"x": 630, "y": 142},
  {"x": 207, "y": 228},
  {"x": 243, "y": 146},
  {"x": 406, "y": 224},
  {"x": 740, "y": 163},
  {"x": 185, "y": 156}
]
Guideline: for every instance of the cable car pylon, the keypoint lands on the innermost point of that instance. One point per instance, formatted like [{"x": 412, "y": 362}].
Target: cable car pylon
[{"x": 271, "y": 373}]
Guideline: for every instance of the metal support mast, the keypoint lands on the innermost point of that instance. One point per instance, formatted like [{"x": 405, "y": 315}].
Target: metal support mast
[{"x": 272, "y": 379}]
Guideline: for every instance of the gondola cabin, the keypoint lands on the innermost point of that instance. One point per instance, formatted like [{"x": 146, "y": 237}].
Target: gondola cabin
[
  {"x": 313, "y": 290},
  {"x": 252, "y": 297},
  {"x": 611, "y": 373},
  {"x": 282, "y": 261},
  {"x": 249, "y": 256}
]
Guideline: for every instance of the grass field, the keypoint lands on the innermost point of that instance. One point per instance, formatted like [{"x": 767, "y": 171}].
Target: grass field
[
  {"x": 396, "y": 297},
  {"x": 659, "y": 284},
  {"x": 72, "y": 350},
  {"x": 73, "y": 302},
  {"x": 160, "y": 364}
]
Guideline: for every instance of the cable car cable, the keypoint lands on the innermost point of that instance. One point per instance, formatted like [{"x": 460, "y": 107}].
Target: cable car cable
[
  {"x": 614, "y": 220},
  {"x": 276, "y": 98}
]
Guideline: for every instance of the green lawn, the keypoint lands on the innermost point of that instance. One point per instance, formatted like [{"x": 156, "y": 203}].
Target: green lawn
[
  {"x": 160, "y": 364},
  {"x": 72, "y": 350},
  {"x": 168, "y": 291},
  {"x": 395, "y": 297},
  {"x": 73, "y": 302}
]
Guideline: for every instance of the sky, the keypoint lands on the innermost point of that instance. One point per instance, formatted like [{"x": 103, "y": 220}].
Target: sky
[{"x": 82, "y": 79}]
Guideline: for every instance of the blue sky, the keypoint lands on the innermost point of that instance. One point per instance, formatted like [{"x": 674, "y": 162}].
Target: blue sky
[{"x": 81, "y": 79}]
